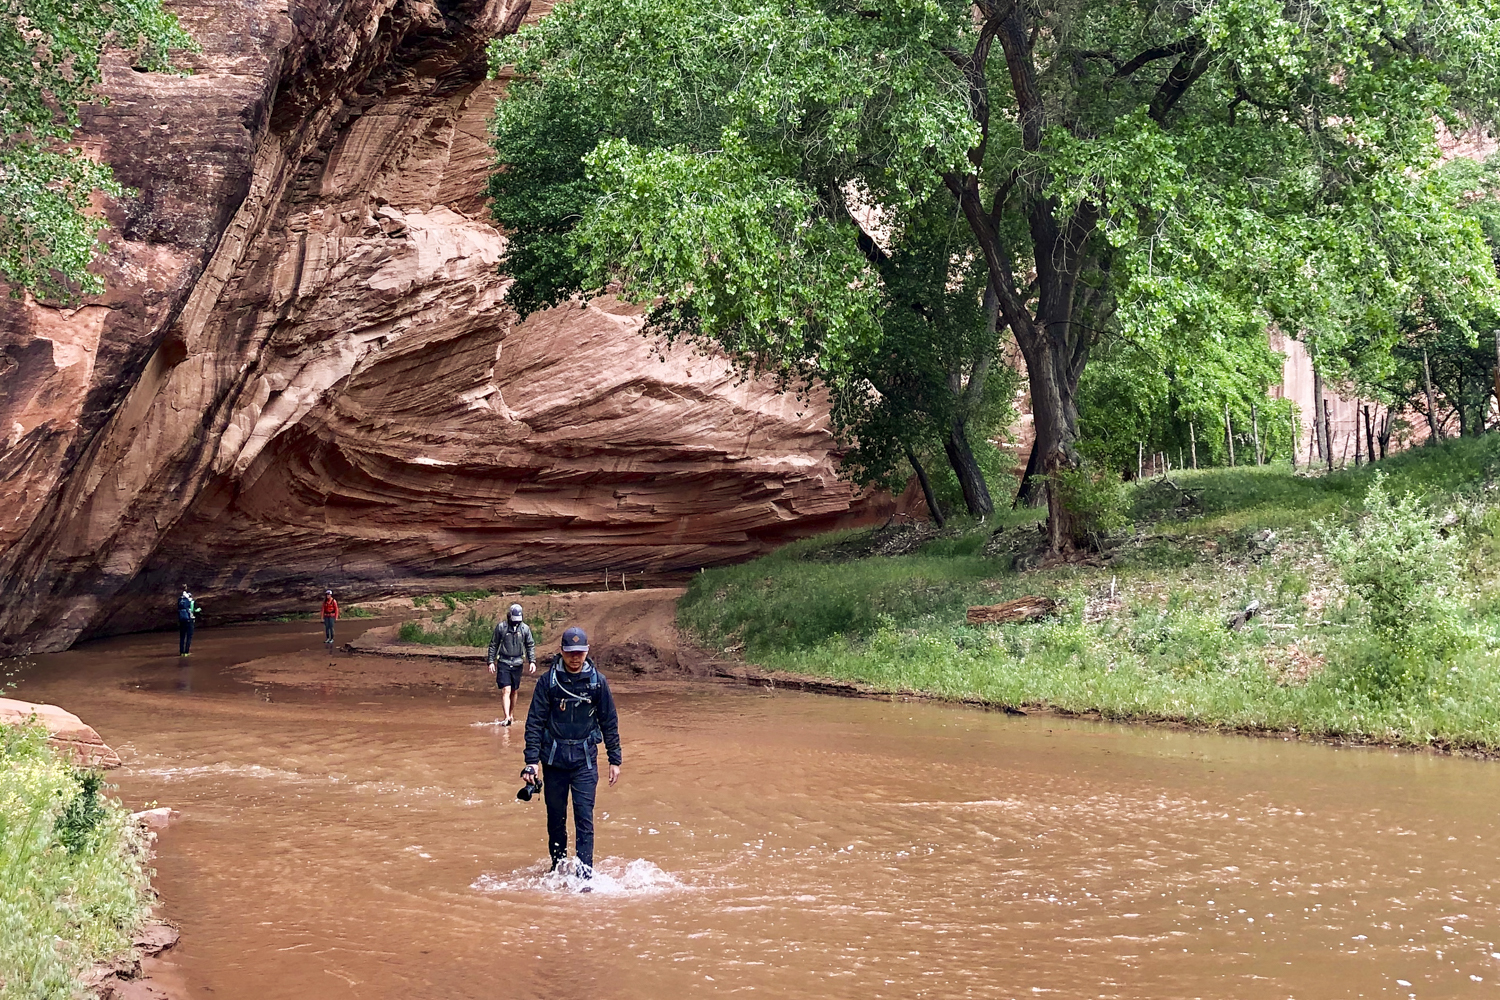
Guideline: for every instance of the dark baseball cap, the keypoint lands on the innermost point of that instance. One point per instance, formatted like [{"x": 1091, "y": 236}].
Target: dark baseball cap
[{"x": 575, "y": 640}]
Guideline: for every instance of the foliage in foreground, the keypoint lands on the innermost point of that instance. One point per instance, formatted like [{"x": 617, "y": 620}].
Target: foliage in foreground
[
  {"x": 72, "y": 883},
  {"x": 51, "y": 53},
  {"x": 1382, "y": 622}
]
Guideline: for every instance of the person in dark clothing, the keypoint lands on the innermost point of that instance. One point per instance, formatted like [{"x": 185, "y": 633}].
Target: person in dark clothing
[
  {"x": 511, "y": 644},
  {"x": 187, "y": 615},
  {"x": 330, "y": 615},
  {"x": 572, "y": 712}
]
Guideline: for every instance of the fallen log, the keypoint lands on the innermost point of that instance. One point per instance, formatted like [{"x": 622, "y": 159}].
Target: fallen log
[
  {"x": 1022, "y": 609},
  {"x": 1234, "y": 622}
]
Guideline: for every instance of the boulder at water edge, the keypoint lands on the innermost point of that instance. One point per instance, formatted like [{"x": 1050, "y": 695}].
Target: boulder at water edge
[{"x": 65, "y": 731}]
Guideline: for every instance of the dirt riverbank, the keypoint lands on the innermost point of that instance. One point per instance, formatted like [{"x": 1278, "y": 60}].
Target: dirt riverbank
[{"x": 635, "y": 634}]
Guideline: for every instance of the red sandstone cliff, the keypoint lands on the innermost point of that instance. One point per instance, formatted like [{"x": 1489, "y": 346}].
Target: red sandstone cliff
[{"x": 304, "y": 372}]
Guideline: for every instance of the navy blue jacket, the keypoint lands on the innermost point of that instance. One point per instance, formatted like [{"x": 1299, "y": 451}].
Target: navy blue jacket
[{"x": 570, "y": 715}]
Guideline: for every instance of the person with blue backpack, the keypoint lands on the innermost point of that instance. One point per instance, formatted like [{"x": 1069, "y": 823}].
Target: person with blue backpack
[
  {"x": 187, "y": 614},
  {"x": 572, "y": 712}
]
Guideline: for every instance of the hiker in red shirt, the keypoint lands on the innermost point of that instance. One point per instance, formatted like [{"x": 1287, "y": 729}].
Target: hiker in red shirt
[{"x": 330, "y": 615}]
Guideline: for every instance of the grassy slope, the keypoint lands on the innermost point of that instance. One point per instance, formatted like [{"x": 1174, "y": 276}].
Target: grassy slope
[
  {"x": 72, "y": 879},
  {"x": 1159, "y": 650}
]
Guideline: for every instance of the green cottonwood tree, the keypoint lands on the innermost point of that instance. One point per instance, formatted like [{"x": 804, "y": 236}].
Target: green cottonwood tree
[
  {"x": 936, "y": 380},
  {"x": 1434, "y": 334},
  {"x": 49, "y": 51},
  {"x": 1155, "y": 169}
]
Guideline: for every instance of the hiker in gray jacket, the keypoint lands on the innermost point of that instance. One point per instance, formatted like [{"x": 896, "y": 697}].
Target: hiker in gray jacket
[{"x": 511, "y": 645}]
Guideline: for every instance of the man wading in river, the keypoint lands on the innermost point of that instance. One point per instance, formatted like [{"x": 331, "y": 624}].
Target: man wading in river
[
  {"x": 572, "y": 712},
  {"x": 511, "y": 645}
]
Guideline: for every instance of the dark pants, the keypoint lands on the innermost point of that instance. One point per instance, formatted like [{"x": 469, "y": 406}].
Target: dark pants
[
  {"x": 184, "y": 637},
  {"x": 328, "y": 621},
  {"x": 557, "y": 781}
]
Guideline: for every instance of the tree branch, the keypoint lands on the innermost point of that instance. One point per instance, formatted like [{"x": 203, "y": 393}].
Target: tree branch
[
  {"x": 965, "y": 190},
  {"x": 872, "y": 250},
  {"x": 1015, "y": 43},
  {"x": 973, "y": 392},
  {"x": 1191, "y": 44},
  {"x": 1108, "y": 57},
  {"x": 1187, "y": 71},
  {"x": 998, "y": 202}
]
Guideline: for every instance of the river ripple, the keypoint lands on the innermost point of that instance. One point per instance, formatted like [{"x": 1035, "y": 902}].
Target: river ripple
[{"x": 356, "y": 844}]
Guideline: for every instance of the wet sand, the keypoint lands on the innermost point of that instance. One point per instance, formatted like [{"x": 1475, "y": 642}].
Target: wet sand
[{"x": 352, "y": 832}]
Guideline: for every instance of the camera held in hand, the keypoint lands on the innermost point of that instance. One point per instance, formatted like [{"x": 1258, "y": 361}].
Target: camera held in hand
[{"x": 532, "y": 787}]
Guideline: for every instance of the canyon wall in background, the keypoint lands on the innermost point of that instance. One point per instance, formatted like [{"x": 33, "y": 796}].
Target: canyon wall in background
[{"x": 304, "y": 373}]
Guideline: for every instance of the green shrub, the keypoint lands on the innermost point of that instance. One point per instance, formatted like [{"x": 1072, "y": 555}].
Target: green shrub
[
  {"x": 1097, "y": 501},
  {"x": 1181, "y": 642},
  {"x": 80, "y": 820},
  {"x": 72, "y": 884},
  {"x": 1402, "y": 567},
  {"x": 1371, "y": 670},
  {"x": 358, "y": 612}
]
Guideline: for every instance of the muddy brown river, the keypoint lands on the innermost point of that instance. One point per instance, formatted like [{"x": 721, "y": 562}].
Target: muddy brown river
[{"x": 337, "y": 842}]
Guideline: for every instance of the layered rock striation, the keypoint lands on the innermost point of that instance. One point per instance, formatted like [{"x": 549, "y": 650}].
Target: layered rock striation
[{"x": 304, "y": 372}]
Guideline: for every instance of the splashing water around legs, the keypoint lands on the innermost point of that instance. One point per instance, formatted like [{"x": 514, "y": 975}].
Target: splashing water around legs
[{"x": 611, "y": 877}]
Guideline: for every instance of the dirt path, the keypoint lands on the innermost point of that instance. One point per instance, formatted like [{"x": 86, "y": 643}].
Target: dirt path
[{"x": 631, "y": 633}]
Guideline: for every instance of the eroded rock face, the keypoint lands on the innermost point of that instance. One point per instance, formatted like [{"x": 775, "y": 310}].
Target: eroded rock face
[{"x": 304, "y": 372}]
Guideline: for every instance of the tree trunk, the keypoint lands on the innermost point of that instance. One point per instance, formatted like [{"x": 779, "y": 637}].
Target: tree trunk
[
  {"x": 1369, "y": 436},
  {"x": 1229, "y": 434},
  {"x": 1328, "y": 433},
  {"x": 968, "y": 395},
  {"x": 1026, "y": 494},
  {"x": 1356, "y": 434},
  {"x": 1320, "y": 436},
  {"x": 966, "y": 468},
  {"x": 1497, "y": 370},
  {"x": 1193, "y": 443},
  {"x": 1432, "y": 428},
  {"x": 933, "y": 510},
  {"x": 1255, "y": 431},
  {"x": 1296, "y": 436},
  {"x": 1052, "y": 370}
]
